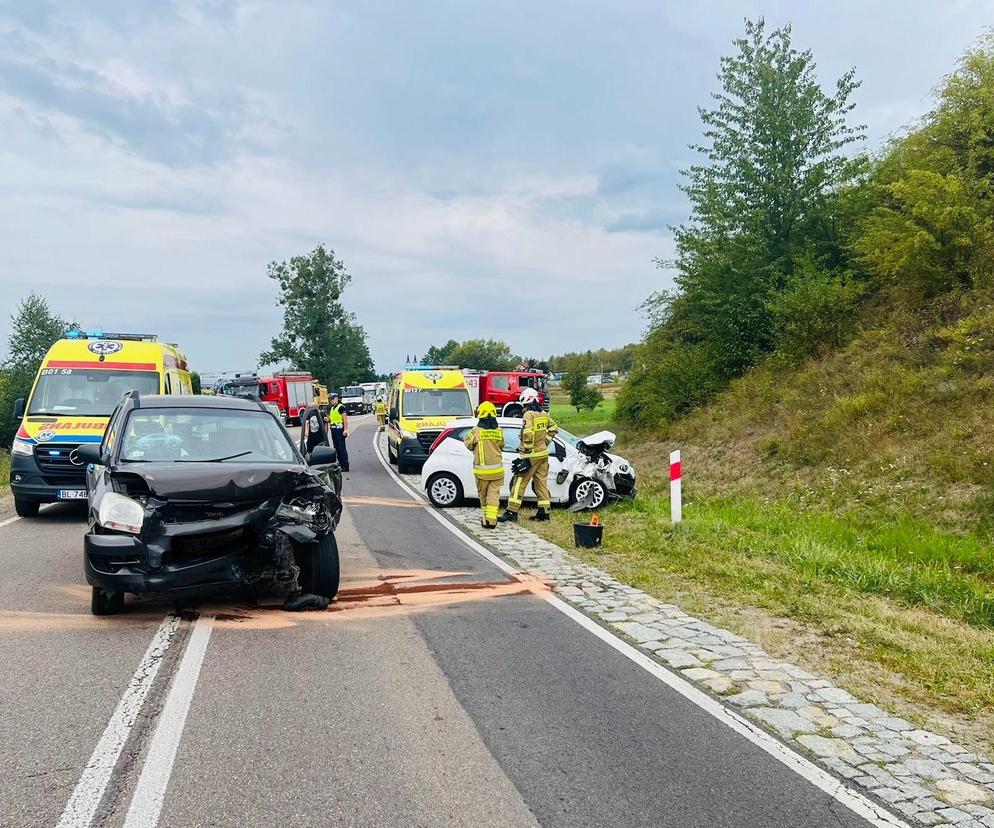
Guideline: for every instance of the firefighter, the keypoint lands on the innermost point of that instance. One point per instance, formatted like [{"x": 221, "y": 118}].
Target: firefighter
[
  {"x": 532, "y": 465},
  {"x": 338, "y": 423},
  {"x": 486, "y": 441},
  {"x": 381, "y": 413}
]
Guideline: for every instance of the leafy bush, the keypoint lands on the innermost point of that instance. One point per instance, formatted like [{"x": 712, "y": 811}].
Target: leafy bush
[{"x": 817, "y": 310}]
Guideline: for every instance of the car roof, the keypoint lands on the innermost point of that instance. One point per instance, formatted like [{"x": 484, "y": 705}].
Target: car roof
[
  {"x": 196, "y": 401},
  {"x": 471, "y": 421}
]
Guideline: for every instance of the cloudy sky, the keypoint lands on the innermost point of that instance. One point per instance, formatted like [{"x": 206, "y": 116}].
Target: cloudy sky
[{"x": 502, "y": 169}]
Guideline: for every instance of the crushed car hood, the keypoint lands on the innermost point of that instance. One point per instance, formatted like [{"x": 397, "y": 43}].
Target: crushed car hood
[{"x": 220, "y": 481}]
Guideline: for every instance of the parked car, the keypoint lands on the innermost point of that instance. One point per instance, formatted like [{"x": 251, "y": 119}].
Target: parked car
[
  {"x": 579, "y": 469},
  {"x": 193, "y": 495}
]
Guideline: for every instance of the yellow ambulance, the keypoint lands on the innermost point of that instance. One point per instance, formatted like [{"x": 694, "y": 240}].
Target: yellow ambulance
[
  {"x": 79, "y": 384},
  {"x": 422, "y": 402}
]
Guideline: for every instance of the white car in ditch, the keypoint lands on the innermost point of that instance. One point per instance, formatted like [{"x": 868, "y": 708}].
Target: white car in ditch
[{"x": 580, "y": 470}]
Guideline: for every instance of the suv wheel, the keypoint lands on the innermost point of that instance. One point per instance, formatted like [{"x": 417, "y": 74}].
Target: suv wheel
[
  {"x": 319, "y": 566},
  {"x": 103, "y": 602}
]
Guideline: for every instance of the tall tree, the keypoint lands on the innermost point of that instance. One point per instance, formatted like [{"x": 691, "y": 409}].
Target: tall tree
[
  {"x": 775, "y": 152},
  {"x": 764, "y": 214},
  {"x": 33, "y": 329},
  {"x": 319, "y": 335},
  {"x": 484, "y": 355},
  {"x": 440, "y": 354}
]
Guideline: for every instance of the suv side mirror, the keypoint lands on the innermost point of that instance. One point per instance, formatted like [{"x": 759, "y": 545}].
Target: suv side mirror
[
  {"x": 322, "y": 456},
  {"x": 90, "y": 453},
  {"x": 18, "y": 408}
]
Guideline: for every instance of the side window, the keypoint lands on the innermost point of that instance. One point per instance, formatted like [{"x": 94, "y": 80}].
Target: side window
[
  {"x": 501, "y": 383},
  {"x": 512, "y": 438},
  {"x": 169, "y": 382}
]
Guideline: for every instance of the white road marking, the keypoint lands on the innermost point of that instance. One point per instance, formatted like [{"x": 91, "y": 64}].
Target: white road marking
[
  {"x": 86, "y": 796},
  {"x": 150, "y": 793},
  {"x": 821, "y": 779},
  {"x": 16, "y": 518}
]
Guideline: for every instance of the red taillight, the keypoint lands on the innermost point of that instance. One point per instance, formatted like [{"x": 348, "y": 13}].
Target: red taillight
[{"x": 439, "y": 439}]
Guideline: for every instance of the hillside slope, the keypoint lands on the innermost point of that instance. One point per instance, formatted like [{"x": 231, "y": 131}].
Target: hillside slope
[{"x": 840, "y": 512}]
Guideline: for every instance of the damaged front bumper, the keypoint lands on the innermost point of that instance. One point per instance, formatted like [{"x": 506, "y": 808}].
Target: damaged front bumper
[{"x": 197, "y": 548}]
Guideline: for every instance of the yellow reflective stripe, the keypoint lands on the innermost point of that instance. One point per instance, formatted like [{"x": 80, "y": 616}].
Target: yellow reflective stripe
[
  {"x": 492, "y": 474},
  {"x": 542, "y": 453},
  {"x": 488, "y": 465}
]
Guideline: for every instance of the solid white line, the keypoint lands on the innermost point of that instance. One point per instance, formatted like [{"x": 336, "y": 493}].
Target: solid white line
[
  {"x": 150, "y": 793},
  {"x": 16, "y": 518},
  {"x": 852, "y": 799},
  {"x": 85, "y": 799}
]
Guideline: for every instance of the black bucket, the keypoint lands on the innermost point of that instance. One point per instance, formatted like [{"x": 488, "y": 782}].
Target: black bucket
[{"x": 588, "y": 536}]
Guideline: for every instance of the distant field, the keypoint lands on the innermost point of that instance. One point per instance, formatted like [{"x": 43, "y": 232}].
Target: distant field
[{"x": 586, "y": 422}]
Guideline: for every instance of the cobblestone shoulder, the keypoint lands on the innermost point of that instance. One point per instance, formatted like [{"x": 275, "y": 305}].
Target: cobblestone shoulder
[{"x": 922, "y": 775}]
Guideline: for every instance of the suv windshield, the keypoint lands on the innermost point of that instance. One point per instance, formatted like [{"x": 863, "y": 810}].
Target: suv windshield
[
  {"x": 81, "y": 392},
  {"x": 192, "y": 435},
  {"x": 437, "y": 402}
]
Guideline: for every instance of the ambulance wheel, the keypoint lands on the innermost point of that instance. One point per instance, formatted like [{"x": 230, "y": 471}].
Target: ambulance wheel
[
  {"x": 444, "y": 490},
  {"x": 103, "y": 602},
  {"x": 25, "y": 508},
  {"x": 391, "y": 454}
]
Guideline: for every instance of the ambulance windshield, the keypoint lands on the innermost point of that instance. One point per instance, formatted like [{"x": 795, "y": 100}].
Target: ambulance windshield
[
  {"x": 432, "y": 402},
  {"x": 84, "y": 392}
]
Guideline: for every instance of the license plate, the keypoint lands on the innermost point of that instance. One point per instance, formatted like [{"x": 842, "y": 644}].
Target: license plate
[{"x": 72, "y": 494}]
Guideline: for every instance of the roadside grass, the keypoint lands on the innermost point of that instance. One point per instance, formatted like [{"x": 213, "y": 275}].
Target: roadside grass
[
  {"x": 839, "y": 512},
  {"x": 896, "y": 614},
  {"x": 4, "y": 471},
  {"x": 585, "y": 422}
]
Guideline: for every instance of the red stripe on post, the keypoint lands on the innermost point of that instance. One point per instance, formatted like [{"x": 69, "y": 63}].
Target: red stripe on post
[{"x": 675, "y": 471}]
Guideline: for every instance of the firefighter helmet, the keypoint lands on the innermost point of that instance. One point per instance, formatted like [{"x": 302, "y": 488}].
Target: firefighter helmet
[
  {"x": 527, "y": 396},
  {"x": 486, "y": 409}
]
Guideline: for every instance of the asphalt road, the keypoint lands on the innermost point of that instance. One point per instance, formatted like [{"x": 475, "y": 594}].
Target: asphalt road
[{"x": 436, "y": 691}]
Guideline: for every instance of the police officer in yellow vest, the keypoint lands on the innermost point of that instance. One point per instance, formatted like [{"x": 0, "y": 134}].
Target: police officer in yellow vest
[
  {"x": 486, "y": 441},
  {"x": 381, "y": 413},
  {"x": 338, "y": 425},
  {"x": 532, "y": 465}
]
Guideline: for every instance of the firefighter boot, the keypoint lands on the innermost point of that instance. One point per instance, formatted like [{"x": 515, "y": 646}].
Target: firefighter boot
[
  {"x": 508, "y": 517},
  {"x": 541, "y": 514}
]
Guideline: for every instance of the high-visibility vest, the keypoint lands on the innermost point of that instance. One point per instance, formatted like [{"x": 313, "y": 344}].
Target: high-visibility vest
[
  {"x": 381, "y": 408},
  {"x": 335, "y": 416},
  {"x": 486, "y": 445},
  {"x": 537, "y": 431}
]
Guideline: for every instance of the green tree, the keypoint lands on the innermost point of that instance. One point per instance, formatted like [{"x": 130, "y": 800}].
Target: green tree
[
  {"x": 195, "y": 382},
  {"x": 440, "y": 354},
  {"x": 581, "y": 395},
  {"x": 484, "y": 355},
  {"x": 319, "y": 335},
  {"x": 34, "y": 327},
  {"x": 764, "y": 199}
]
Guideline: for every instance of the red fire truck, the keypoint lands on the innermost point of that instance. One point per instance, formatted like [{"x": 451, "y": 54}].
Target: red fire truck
[
  {"x": 290, "y": 391},
  {"x": 503, "y": 387}
]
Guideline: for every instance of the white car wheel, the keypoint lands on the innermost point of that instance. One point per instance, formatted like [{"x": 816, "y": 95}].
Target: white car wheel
[
  {"x": 592, "y": 489},
  {"x": 444, "y": 490}
]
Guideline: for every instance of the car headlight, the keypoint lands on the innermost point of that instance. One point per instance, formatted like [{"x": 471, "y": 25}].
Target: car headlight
[
  {"x": 410, "y": 435},
  {"x": 20, "y": 447},
  {"x": 119, "y": 512}
]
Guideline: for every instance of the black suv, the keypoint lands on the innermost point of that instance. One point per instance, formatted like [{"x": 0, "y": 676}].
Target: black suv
[{"x": 192, "y": 495}]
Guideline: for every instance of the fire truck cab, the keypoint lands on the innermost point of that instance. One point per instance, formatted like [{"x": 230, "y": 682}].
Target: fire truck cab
[
  {"x": 290, "y": 391},
  {"x": 503, "y": 388}
]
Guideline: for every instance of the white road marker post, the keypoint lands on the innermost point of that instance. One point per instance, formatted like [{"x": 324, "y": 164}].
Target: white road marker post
[{"x": 676, "y": 495}]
